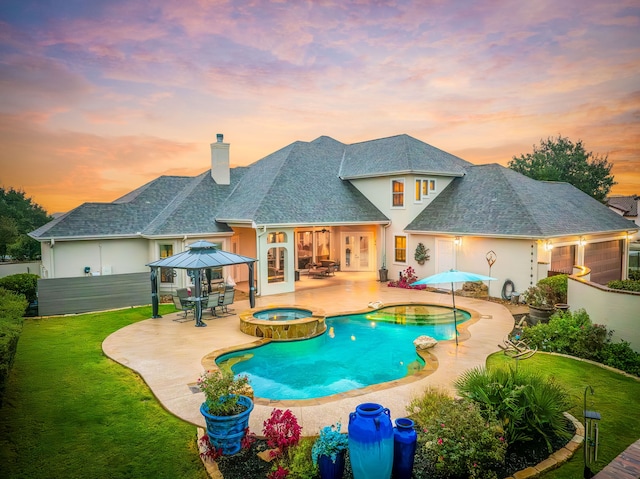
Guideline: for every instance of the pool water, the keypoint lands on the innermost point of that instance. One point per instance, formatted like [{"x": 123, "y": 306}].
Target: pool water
[
  {"x": 355, "y": 352},
  {"x": 282, "y": 314}
]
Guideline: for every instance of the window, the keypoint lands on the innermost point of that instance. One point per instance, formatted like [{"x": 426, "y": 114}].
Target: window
[
  {"x": 424, "y": 188},
  {"x": 400, "y": 248},
  {"x": 276, "y": 264},
  {"x": 166, "y": 274},
  {"x": 279, "y": 237},
  {"x": 397, "y": 192}
]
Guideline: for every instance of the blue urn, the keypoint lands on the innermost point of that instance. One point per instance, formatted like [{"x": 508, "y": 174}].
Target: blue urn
[
  {"x": 371, "y": 442},
  {"x": 404, "y": 448}
]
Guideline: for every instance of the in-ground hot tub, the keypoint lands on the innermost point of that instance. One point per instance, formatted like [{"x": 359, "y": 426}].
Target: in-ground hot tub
[{"x": 283, "y": 323}]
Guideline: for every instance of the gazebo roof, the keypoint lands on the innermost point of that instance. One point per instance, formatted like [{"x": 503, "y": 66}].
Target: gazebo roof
[{"x": 200, "y": 255}]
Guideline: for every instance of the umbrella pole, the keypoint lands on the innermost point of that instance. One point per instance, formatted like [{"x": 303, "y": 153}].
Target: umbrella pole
[
  {"x": 198, "y": 311},
  {"x": 455, "y": 319}
]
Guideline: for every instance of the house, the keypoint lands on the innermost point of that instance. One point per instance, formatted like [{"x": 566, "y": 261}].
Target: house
[{"x": 363, "y": 205}]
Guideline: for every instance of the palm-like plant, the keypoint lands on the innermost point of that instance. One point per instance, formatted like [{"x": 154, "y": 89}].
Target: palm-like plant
[{"x": 527, "y": 405}]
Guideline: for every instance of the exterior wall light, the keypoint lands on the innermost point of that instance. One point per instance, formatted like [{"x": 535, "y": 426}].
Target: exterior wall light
[
  {"x": 457, "y": 241},
  {"x": 582, "y": 241}
]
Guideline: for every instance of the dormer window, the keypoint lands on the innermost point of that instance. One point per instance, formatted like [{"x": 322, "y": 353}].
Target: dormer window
[
  {"x": 397, "y": 193},
  {"x": 424, "y": 188}
]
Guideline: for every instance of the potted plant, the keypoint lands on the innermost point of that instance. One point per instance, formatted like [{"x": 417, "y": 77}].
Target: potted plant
[
  {"x": 329, "y": 450},
  {"x": 226, "y": 409},
  {"x": 544, "y": 296}
]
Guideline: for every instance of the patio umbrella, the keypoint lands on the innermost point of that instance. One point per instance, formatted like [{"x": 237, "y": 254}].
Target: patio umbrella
[
  {"x": 453, "y": 276},
  {"x": 201, "y": 255}
]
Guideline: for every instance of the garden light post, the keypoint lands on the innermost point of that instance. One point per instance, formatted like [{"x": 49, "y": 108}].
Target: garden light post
[{"x": 591, "y": 436}]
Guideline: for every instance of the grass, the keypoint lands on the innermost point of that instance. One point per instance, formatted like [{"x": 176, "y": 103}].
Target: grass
[
  {"x": 615, "y": 398},
  {"x": 72, "y": 412}
]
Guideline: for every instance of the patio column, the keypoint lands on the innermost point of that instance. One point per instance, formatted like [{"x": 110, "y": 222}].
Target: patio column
[{"x": 252, "y": 288}]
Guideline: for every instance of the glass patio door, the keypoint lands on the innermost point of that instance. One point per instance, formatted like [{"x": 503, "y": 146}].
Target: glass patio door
[{"x": 356, "y": 252}]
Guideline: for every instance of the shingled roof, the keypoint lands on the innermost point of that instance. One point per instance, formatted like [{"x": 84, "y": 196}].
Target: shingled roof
[
  {"x": 398, "y": 155},
  {"x": 299, "y": 185},
  {"x": 491, "y": 200}
]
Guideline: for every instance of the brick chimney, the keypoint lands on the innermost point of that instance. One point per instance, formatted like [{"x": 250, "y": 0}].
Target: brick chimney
[{"x": 220, "y": 161}]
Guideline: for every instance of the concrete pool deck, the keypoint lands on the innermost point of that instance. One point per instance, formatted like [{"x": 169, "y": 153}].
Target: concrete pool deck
[{"x": 169, "y": 355}]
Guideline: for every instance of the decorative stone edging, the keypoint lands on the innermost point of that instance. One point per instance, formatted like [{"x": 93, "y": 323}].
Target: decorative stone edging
[{"x": 557, "y": 458}]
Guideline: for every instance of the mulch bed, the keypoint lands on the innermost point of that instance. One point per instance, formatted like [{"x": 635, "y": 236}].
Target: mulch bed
[{"x": 246, "y": 464}]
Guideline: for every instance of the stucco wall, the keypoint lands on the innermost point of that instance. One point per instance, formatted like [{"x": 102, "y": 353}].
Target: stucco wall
[
  {"x": 118, "y": 256},
  {"x": 617, "y": 310}
]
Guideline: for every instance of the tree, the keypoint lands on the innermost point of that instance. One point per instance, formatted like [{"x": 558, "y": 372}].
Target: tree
[
  {"x": 8, "y": 234},
  {"x": 559, "y": 159},
  {"x": 26, "y": 216}
]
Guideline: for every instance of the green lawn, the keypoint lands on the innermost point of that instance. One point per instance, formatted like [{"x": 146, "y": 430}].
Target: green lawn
[
  {"x": 70, "y": 412},
  {"x": 616, "y": 397}
]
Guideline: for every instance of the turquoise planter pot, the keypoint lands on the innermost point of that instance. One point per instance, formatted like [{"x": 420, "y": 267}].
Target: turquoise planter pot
[
  {"x": 227, "y": 432},
  {"x": 371, "y": 442}
]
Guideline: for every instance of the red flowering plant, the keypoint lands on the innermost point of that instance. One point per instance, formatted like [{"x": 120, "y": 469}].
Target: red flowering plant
[
  {"x": 407, "y": 278},
  {"x": 279, "y": 473},
  {"x": 281, "y": 431}
]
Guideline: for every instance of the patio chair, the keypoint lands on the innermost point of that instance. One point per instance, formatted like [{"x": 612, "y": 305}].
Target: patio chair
[
  {"x": 225, "y": 300},
  {"x": 180, "y": 306}
]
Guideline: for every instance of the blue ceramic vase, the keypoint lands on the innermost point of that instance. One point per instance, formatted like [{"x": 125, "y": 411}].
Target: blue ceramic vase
[
  {"x": 404, "y": 448},
  {"x": 371, "y": 442},
  {"x": 227, "y": 432}
]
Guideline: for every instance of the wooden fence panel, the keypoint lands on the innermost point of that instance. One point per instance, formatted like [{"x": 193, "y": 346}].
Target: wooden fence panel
[{"x": 92, "y": 293}]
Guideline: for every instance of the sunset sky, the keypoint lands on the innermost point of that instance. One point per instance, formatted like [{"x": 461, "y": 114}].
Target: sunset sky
[{"x": 98, "y": 97}]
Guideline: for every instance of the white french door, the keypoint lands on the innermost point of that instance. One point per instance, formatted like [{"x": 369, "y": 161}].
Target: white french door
[{"x": 356, "y": 252}]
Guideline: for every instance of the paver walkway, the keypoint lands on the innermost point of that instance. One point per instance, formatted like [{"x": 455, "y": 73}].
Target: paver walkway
[{"x": 625, "y": 466}]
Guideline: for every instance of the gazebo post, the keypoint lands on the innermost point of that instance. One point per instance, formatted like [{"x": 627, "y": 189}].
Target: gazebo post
[
  {"x": 154, "y": 292},
  {"x": 252, "y": 289},
  {"x": 198, "y": 311}
]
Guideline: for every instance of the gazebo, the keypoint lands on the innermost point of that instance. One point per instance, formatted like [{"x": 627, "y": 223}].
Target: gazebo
[{"x": 200, "y": 255}]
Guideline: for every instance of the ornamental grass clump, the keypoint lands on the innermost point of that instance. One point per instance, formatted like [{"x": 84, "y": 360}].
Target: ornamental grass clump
[
  {"x": 221, "y": 391},
  {"x": 455, "y": 438}
]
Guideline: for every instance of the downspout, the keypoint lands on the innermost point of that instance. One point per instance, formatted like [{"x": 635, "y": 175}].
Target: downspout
[{"x": 52, "y": 262}]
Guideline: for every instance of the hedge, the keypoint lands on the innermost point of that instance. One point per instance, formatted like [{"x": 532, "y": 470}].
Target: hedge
[{"x": 12, "y": 307}]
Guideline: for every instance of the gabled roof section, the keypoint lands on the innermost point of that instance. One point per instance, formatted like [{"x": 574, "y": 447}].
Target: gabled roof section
[
  {"x": 494, "y": 200},
  {"x": 299, "y": 184},
  {"x": 196, "y": 207},
  {"x": 398, "y": 155},
  {"x": 125, "y": 216},
  {"x": 628, "y": 205}
]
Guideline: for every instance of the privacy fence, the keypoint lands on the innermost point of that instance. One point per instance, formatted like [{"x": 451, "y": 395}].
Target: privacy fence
[{"x": 92, "y": 293}]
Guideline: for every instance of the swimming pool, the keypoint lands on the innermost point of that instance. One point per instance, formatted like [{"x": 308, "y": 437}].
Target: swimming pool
[{"x": 356, "y": 351}]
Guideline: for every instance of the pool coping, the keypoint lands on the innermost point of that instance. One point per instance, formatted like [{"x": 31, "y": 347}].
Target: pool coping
[{"x": 430, "y": 359}]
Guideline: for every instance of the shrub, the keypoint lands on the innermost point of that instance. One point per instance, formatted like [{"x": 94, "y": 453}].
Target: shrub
[
  {"x": 455, "y": 438},
  {"x": 568, "y": 333},
  {"x": 527, "y": 405},
  {"x": 634, "y": 275},
  {"x": 299, "y": 462},
  {"x": 620, "y": 356},
  {"x": 625, "y": 285},
  {"x": 558, "y": 285},
  {"x": 12, "y": 307},
  {"x": 23, "y": 283},
  {"x": 574, "y": 334}
]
